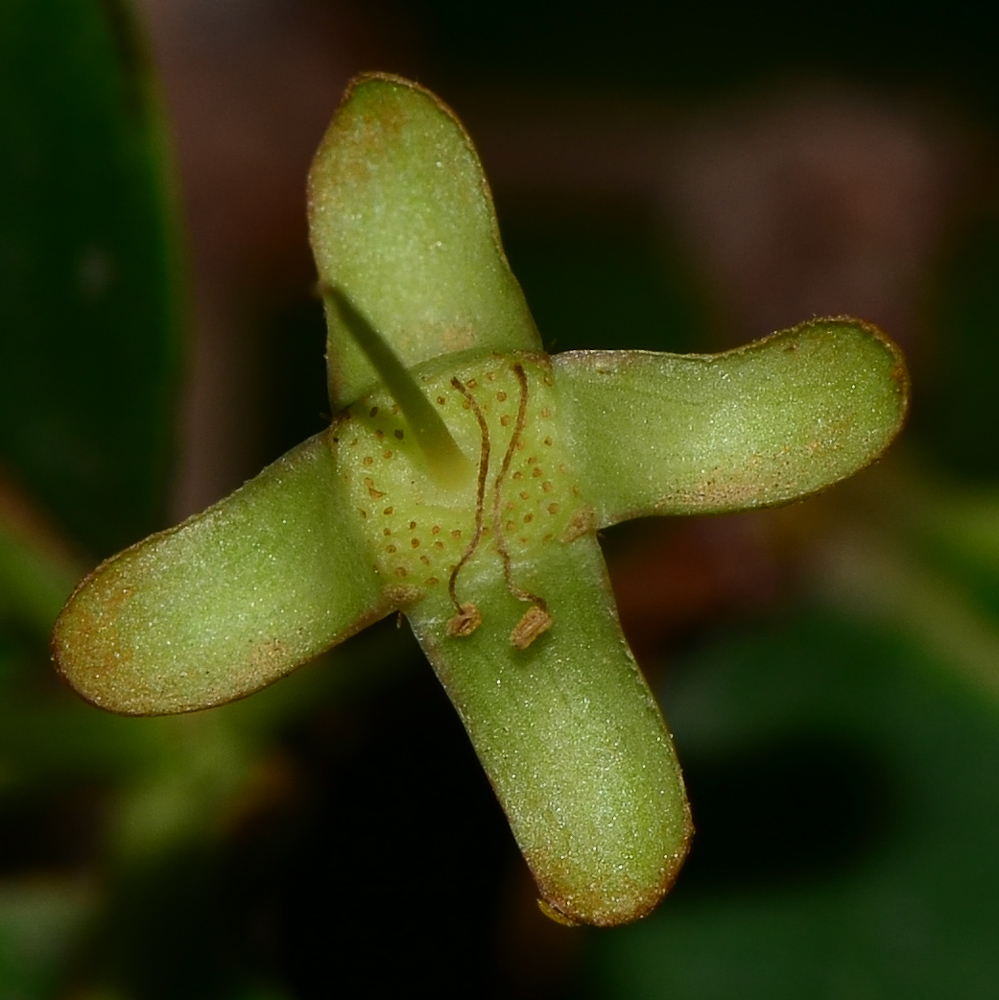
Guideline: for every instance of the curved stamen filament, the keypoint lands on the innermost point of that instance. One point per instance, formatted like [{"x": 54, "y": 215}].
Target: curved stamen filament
[
  {"x": 468, "y": 618},
  {"x": 537, "y": 619}
]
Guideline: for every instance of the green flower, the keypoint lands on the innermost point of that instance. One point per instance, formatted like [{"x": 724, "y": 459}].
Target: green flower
[{"x": 463, "y": 483}]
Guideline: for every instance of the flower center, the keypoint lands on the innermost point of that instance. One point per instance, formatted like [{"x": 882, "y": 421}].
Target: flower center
[{"x": 427, "y": 537}]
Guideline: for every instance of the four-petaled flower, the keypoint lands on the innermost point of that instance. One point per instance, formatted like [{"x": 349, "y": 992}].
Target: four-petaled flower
[{"x": 463, "y": 482}]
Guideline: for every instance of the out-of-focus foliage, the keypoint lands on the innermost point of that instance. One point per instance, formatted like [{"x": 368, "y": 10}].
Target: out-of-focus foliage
[
  {"x": 966, "y": 359},
  {"x": 846, "y": 815},
  {"x": 88, "y": 270}
]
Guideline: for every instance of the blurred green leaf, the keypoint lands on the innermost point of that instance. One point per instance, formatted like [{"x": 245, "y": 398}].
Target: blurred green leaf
[
  {"x": 89, "y": 275},
  {"x": 844, "y": 787},
  {"x": 41, "y": 923},
  {"x": 35, "y": 577},
  {"x": 958, "y": 417}
]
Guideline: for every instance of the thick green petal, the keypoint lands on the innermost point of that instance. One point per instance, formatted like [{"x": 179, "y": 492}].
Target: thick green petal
[
  {"x": 568, "y": 733},
  {"x": 760, "y": 425},
  {"x": 402, "y": 222},
  {"x": 228, "y": 601}
]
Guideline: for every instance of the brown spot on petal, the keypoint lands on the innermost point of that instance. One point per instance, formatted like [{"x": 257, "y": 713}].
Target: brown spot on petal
[
  {"x": 580, "y": 524},
  {"x": 401, "y": 594}
]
